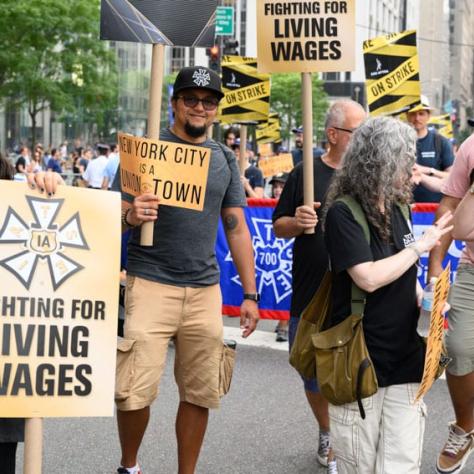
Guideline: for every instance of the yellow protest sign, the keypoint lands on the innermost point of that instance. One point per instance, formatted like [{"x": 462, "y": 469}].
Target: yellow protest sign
[
  {"x": 265, "y": 150},
  {"x": 276, "y": 164},
  {"x": 247, "y": 92},
  {"x": 435, "y": 338},
  {"x": 306, "y": 36},
  {"x": 59, "y": 268},
  {"x": 269, "y": 131},
  {"x": 392, "y": 73},
  {"x": 443, "y": 125},
  {"x": 175, "y": 172}
]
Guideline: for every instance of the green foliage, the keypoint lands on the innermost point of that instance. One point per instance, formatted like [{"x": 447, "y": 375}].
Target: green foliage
[
  {"x": 51, "y": 55},
  {"x": 285, "y": 99},
  {"x": 463, "y": 135}
]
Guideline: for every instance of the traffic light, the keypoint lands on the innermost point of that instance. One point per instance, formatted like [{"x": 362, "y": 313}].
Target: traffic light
[
  {"x": 231, "y": 47},
  {"x": 214, "y": 57}
]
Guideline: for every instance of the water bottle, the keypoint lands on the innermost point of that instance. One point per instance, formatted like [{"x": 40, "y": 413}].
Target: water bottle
[{"x": 423, "y": 328}]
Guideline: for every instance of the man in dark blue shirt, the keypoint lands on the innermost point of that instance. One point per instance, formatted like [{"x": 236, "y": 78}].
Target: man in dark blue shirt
[
  {"x": 434, "y": 155},
  {"x": 297, "y": 152},
  {"x": 54, "y": 163}
]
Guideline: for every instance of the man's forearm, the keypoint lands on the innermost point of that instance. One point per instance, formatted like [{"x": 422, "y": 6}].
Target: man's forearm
[
  {"x": 432, "y": 183},
  {"x": 241, "y": 249},
  {"x": 286, "y": 227}
]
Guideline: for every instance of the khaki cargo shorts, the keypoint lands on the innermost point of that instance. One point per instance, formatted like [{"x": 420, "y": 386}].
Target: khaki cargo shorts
[
  {"x": 460, "y": 334},
  {"x": 155, "y": 313}
]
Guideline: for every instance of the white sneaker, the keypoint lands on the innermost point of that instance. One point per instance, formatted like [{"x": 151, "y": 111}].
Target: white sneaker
[
  {"x": 332, "y": 467},
  {"x": 456, "y": 451}
]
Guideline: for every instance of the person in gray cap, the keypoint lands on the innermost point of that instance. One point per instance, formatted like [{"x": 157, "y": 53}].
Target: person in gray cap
[{"x": 172, "y": 290}]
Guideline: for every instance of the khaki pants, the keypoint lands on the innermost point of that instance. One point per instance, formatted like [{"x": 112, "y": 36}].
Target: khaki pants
[{"x": 388, "y": 441}]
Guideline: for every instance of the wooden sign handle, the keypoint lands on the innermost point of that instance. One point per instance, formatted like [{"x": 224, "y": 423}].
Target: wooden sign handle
[
  {"x": 32, "y": 460},
  {"x": 308, "y": 177},
  {"x": 243, "y": 148},
  {"x": 154, "y": 118}
]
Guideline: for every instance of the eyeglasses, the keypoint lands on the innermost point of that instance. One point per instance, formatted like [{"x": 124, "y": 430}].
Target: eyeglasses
[
  {"x": 208, "y": 103},
  {"x": 348, "y": 130}
]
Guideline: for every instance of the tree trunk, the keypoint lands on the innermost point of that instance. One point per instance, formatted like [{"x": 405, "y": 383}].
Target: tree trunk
[{"x": 33, "y": 111}]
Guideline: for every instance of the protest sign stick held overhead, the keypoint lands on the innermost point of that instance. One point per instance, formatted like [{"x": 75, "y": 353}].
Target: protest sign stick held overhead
[
  {"x": 308, "y": 179},
  {"x": 154, "y": 117},
  {"x": 33, "y": 446}
]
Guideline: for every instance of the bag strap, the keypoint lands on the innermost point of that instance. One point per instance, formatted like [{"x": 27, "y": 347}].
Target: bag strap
[
  {"x": 364, "y": 365},
  {"x": 357, "y": 213},
  {"x": 358, "y": 296}
]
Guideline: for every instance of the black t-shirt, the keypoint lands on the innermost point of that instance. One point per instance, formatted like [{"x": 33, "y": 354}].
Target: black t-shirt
[
  {"x": 391, "y": 312},
  {"x": 310, "y": 258}
]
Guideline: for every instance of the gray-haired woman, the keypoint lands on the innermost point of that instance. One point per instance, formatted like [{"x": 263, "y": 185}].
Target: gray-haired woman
[{"x": 376, "y": 173}]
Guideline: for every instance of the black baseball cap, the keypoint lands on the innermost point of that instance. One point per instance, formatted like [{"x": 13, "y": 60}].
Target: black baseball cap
[
  {"x": 198, "y": 77},
  {"x": 279, "y": 178}
]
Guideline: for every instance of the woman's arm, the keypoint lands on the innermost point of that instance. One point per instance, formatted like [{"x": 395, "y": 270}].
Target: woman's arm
[{"x": 370, "y": 276}]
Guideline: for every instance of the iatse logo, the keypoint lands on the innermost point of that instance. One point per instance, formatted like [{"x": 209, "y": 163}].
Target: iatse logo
[{"x": 42, "y": 239}]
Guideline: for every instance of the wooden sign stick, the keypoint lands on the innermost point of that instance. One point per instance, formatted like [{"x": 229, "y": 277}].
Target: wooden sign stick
[
  {"x": 154, "y": 118},
  {"x": 308, "y": 177},
  {"x": 243, "y": 148},
  {"x": 33, "y": 455}
]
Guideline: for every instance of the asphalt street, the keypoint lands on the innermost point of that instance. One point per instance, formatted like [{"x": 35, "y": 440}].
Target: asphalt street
[{"x": 263, "y": 427}]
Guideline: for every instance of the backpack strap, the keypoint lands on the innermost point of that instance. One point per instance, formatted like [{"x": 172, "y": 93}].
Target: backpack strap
[
  {"x": 227, "y": 153},
  {"x": 438, "y": 144},
  {"x": 358, "y": 296},
  {"x": 357, "y": 213}
]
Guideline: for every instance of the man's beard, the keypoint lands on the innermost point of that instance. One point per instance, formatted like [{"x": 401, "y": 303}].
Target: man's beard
[{"x": 193, "y": 131}]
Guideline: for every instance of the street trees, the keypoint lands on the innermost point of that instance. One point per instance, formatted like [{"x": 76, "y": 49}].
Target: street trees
[
  {"x": 285, "y": 99},
  {"x": 51, "y": 56}
]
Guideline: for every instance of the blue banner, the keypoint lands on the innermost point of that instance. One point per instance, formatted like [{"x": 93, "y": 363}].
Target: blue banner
[
  {"x": 273, "y": 258},
  {"x": 273, "y": 261}
]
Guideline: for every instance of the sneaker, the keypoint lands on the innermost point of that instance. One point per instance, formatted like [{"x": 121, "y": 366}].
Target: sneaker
[
  {"x": 124, "y": 470},
  {"x": 282, "y": 335},
  {"x": 456, "y": 451},
  {"x": 323, "y": 448},
  {"x": 332, "y": 467}
]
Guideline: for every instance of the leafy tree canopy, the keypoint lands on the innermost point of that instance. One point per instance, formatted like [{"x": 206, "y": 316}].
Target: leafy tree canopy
[
  {"x": 51, "y": 55},
  {"x": 285, "y": 99}
]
